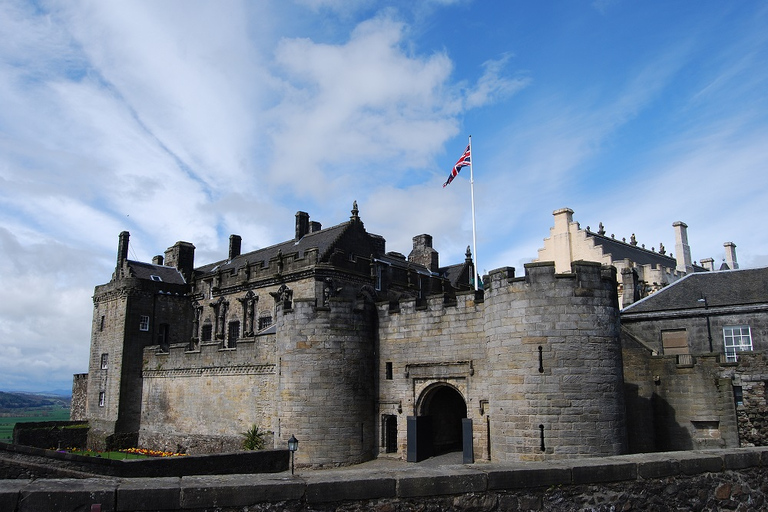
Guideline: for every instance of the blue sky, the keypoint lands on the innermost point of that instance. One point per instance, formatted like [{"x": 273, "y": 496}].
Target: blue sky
[{"x": 195, "y": 120}]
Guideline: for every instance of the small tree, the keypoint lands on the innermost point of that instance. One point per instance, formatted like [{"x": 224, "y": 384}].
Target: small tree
[{"x": 254, "y": 438}]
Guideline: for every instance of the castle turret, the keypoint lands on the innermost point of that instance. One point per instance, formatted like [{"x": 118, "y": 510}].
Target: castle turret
[{"x": 325, "y": 395}]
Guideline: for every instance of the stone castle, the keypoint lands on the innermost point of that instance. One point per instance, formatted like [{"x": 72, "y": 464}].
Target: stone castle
[{"x": 360, "y": 352}]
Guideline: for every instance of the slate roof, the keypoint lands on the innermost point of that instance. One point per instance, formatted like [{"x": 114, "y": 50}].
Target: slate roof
[
  {"x": 621, "y": 250},
  {"x": 147, "y": 270},
  {"x": 322, "y": 240},
  {"x": 453, "y": 273},
  {"x": 721, "y": 288}
]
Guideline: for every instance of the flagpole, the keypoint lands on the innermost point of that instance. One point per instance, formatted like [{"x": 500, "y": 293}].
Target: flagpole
[{"x": 474, "y": 229}]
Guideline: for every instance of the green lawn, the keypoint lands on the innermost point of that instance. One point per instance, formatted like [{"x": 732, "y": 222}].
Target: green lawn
[{"x": 38, "y": 414}]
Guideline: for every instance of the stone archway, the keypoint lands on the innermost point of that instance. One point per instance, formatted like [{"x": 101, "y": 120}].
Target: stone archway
[{"x": 446, "y": 407}]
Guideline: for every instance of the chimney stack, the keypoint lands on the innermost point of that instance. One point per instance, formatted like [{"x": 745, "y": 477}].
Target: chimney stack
[
  {"x": 630, "y": 280},
  {"x": 181, "y": 256},
  {"x": 302, "y": 224},
  {"x": 730, "y": 255},
  {"x": 423, "y": 253},
  {"x": 157, "y": 260},
  {"x": 235, "y": 241},
  {"x": 122, "y": 248},
  {"x": 682, "y": 250},
  {"x": 708, "y": 263}
]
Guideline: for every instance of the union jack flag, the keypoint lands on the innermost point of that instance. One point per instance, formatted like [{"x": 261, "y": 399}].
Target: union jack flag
[{"x": 464, "y": 161}]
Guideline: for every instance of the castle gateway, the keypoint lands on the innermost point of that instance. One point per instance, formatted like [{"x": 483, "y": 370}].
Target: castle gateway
[{"x": 331, "y": 338}]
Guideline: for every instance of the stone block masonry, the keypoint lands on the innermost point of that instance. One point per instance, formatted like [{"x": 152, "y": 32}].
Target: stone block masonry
[
  {"x": 705, "y": 480},
  {"x": 536, "y": 360}
]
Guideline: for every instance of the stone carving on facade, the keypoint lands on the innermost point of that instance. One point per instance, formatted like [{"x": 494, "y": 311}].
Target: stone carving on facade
[
  {"x": 329, "y": 290},
  {"x": 220, "y": 308},
  {"x": 283, "y": 296},
  {"x": 249, "y": 303}
]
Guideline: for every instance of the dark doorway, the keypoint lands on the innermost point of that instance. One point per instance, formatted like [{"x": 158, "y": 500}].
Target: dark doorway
[
  {"x": 446, "y": 407},
  {"x": 390, "y": 433}
]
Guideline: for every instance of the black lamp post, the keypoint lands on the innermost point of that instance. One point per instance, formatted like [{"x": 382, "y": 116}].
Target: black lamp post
[
  {"x": 706, "y": 315},
  {"x": 293, "y": 445}
]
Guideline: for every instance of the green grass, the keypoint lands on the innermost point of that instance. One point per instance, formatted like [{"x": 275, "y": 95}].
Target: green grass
[
  {"x": 109, "y": 455},
  {"x": 37, "y": 414}
]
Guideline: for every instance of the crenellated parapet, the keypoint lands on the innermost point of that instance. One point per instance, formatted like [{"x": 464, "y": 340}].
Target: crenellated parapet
[
  {"x": 540, "y": 355},
  {"x": 324, "y": 383}
]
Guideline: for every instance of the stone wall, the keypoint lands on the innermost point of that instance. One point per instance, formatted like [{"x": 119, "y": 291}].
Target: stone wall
[
  {"x": 707, "y": 480},
  {"x": 325, "y": 391},
  {"x": 77, "y": 409},
  {"x": 201, "y": 401},
  {"x": 693, "y": 402},
  {"x": 19, "y": 461},
  {"x": 537, "y": 361},
  {"x": 51, "y": 434}
]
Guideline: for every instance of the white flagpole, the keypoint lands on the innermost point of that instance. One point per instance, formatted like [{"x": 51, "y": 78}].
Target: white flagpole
[{"x": 474, "y": 229}]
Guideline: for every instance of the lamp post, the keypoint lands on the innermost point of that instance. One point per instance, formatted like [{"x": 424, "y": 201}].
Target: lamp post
[
  {"x": 706, "y": 315},
  {"x": 293, "y": 445}
]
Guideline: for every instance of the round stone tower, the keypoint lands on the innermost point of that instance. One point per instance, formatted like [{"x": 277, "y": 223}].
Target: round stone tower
[
  {"x": 555, "y": 365},
  {"x": 325, "y": 381}
]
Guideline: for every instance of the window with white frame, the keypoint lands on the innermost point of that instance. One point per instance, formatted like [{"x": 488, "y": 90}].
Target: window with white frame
[
  {"x": 737, "y": 338},
  {"x": 102, "y": 398},
  {"x": 104, "y": 361},
  {"x": 144, "y": 323}
]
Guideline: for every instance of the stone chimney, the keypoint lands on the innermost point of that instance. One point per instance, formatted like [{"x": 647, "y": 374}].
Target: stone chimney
[
  {"x": 302, "y": 224},
  {"x": 630, "y": 282},
  {"x": 157, "y": 260},
  {"x": 708, "y": 263},
  {"x": 561, "y": 239},
  {"x": 423, "y": 253},
  {"x": 235, "y": 241},
  {"x": 314, "y": 227},
  {"x": 122, "y": 248},
  {"x": 730, "y": 255},
  {"x": 682, "y": 250},
  {"x": 181, "y": 256}
]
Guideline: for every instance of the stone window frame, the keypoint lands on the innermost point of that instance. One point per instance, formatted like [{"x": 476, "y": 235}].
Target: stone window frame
[
  {"x": 233, "y": 334},
  {"x": 206, "y": 332},
  {"x": 144, "y": 323},
  {"x": 736, "y": 338},
  {"x": 104, "y": 361},
  {"x": 265, "y": 321},
  {"x": 102, "y": 398}
]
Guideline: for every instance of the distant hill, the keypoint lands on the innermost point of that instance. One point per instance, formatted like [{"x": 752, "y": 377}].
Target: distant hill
[{"x": 15, "y": 401}]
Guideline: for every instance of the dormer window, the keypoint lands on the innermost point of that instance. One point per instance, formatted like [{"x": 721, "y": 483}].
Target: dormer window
[{"x": 155, "y": 278}]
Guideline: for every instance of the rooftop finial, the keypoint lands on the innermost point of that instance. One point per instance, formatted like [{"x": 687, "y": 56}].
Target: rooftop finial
[
  {"x": 355, "y": 211},
  {"x": 601, "y": 230}
]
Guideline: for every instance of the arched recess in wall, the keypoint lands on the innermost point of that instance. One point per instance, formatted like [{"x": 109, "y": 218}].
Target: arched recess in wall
[{"x": 446, "y": 406}]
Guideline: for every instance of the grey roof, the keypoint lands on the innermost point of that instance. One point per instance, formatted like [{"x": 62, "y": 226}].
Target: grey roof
[
  {"x": 454, "y": 272},
  {"x": 621, "y": 250},
  {"x": 147, "y": 270},
  {"x": 721, "y": 288},
  {"x": 322, "y": 240}
]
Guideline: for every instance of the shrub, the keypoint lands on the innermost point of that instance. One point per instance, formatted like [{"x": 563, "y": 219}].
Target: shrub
[{"x": 254, "y": 438}]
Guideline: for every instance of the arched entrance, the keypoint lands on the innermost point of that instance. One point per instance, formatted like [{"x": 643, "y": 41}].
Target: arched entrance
[{"x": 446, "y": 408}]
